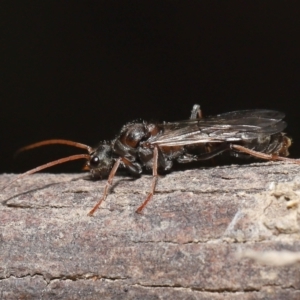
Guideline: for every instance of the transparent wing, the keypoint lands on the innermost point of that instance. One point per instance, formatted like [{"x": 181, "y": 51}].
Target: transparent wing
[{"x": 227, "y": 127}]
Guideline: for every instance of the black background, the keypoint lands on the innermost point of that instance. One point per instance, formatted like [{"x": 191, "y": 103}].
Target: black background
[{"x": 79, "y": 70}]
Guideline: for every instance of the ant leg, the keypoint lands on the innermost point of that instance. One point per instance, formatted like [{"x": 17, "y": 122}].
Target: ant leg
[
  {"x": 186, "y": 158},
  {"x": 48, "y": 165},
  {"x": 264, "y": 155},
  {"x": 107, "y": 186},
  {"x": 154, "y": 180},
  {"x": 196, "y": 112}
]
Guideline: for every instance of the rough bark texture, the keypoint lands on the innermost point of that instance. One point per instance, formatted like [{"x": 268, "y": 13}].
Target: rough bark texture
[{"x": 184, "y": 246}]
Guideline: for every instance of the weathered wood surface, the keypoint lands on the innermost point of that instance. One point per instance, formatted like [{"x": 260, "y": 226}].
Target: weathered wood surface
[{"x": 184, "y": 246}]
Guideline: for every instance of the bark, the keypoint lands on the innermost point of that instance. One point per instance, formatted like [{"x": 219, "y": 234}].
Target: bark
[{"x": 192, "y": 241}]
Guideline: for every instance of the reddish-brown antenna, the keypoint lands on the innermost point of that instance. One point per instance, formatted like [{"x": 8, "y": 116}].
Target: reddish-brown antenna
[
  {"x": 54, "y": 142},
  {"x": 48, "y": 165}
]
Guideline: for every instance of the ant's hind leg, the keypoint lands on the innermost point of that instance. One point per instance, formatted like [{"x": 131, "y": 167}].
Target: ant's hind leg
[
  {"x": 196, "y": 112},
  {"x": 261, "y": 155}
]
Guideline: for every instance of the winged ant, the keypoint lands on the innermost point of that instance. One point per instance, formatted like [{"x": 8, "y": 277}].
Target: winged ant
[{"x": 144, "y": 145}]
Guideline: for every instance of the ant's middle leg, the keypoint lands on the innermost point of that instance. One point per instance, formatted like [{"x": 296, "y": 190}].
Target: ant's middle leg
[{"x": 196, "y": 112}]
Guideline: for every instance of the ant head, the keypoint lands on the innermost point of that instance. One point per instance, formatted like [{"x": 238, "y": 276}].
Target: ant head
[{"x": 101, "y": 161}]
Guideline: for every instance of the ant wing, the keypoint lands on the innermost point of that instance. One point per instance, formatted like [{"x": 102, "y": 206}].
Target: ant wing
[{"x": 228, "y": 127}]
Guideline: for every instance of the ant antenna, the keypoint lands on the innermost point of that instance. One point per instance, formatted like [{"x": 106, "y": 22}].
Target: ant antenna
[
  {"x": 48, "y": 165},
  {"x": 53, "y": 142}
]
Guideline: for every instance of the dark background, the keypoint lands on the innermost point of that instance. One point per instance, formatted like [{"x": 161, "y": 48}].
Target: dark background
[{"x": 80, "y": 70}]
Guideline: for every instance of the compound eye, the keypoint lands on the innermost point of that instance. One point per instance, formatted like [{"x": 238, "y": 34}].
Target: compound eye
[{"x": 94, "y": 161}]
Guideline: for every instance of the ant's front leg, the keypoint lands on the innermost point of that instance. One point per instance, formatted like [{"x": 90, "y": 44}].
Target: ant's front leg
[
  {"x": 154, "y": 180},
  {"x": 107, "y": 186},
  {"x": 133, "y": 168}
]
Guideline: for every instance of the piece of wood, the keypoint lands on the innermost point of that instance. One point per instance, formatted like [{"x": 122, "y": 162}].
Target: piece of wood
[{"x": 186, "y": 245}]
